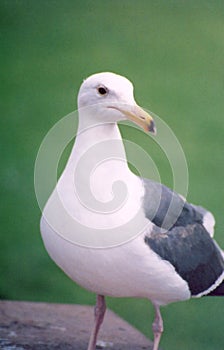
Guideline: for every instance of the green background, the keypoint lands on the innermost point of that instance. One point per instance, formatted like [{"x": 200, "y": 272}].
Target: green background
[{"x": 173, "y": 51}]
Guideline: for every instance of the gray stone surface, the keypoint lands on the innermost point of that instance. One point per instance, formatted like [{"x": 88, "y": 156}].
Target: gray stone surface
[{"x": 42, "y": 326}]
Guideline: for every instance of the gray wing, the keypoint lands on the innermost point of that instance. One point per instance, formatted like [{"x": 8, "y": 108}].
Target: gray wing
[
  {"x": 167, "y": 209},
  {"x": 194, "y": 254},
  {"x": 182, "y": 237}
]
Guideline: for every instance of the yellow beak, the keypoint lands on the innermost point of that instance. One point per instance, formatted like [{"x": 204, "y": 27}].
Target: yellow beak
[{"x": 140, "y": 117}]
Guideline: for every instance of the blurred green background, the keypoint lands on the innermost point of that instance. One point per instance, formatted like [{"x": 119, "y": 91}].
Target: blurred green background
[{"x": 173, "y": 51}]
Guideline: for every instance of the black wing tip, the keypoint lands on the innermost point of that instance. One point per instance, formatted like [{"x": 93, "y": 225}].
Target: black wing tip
[{"x": 218, "y": 292}]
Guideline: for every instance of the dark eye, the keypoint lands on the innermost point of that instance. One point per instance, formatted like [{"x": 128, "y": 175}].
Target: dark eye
[{"x": 102, "y": 90}]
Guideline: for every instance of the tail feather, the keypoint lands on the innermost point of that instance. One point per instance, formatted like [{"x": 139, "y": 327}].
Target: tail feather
[{"x": 219, "y": 291}]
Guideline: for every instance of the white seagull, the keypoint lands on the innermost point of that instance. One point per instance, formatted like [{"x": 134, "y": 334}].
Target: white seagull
[{"x": 117, "y": 234}]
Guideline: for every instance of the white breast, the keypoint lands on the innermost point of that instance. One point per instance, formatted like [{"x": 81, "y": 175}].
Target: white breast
[
  {"x": 128, "y": 270},
  {"x": 93, "y": 227}
]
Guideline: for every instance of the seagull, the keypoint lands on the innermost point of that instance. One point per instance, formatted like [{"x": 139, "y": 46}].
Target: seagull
[{"x": 118, "y": 234}]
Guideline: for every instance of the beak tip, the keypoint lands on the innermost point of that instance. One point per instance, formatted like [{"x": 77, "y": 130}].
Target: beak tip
[{"x": 152, "y": 127}]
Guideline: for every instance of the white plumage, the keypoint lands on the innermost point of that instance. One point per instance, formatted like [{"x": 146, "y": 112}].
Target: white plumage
[{"x": 94, "y": 225}]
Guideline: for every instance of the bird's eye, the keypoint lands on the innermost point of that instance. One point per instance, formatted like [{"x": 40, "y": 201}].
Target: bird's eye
[{"x": 102, "y": 90}]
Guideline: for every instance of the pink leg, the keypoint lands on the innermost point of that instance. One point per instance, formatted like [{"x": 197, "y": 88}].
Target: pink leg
[
  {"x": 100, "y": 309},
  {"x": 157, "y": 328}
]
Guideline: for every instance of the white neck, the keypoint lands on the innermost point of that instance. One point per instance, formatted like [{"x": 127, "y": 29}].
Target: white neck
[
  {"x": 93, "y": 142},
  {"x": 98, "y": 162},
  {"x": 97, "y": 186}
]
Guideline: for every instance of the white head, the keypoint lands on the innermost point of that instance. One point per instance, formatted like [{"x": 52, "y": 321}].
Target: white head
[{"x": 108, "y": 97}]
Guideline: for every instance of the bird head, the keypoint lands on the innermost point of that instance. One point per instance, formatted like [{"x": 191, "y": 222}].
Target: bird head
[{"x": 109, "y": 98}]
